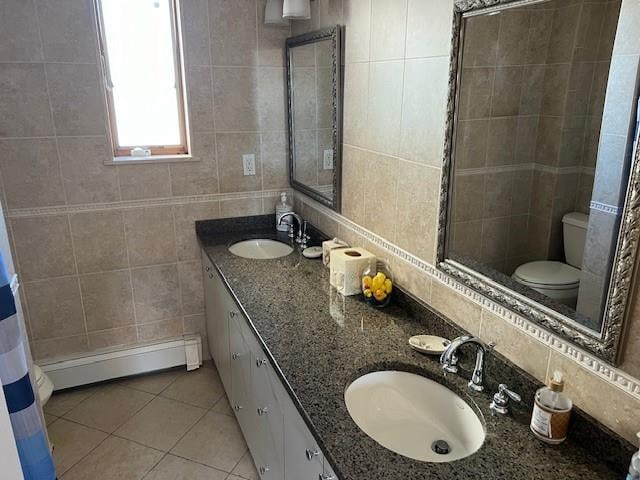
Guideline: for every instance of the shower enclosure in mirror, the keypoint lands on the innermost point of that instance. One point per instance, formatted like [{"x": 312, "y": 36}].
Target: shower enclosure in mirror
[
  {"x": 314, "y": 87},
  {"x": 536, "y": 171}
]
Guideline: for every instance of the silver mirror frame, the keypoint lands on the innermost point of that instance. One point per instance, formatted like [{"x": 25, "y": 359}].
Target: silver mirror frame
[
  {"x": 334, "y": 34},
  {"x": 606, "y": 345}
]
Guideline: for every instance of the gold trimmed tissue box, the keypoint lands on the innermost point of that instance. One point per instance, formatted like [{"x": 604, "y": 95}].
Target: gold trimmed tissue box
[{"x": 346, "y": 268}]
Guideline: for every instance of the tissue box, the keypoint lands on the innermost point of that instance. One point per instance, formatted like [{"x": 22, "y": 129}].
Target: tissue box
[
  {"x": 346, "y": 267},
  {"x": 328, "y": 246}
]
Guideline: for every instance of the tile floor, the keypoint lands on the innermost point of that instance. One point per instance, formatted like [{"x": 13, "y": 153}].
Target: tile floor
[{"x": 167, "y": 426}]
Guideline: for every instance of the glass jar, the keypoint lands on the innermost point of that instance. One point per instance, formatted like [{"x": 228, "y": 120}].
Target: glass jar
[{"x": 377, "y": 284}]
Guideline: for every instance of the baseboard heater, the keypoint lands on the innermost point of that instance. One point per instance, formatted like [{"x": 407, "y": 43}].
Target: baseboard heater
[{"x": 110, "y": 365}]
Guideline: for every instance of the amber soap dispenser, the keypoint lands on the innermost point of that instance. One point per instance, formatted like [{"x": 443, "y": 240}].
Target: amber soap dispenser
[{"x": 551, "y": 411}]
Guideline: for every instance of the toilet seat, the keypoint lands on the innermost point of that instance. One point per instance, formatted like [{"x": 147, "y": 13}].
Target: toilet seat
[{"x": 548, "y": 275}]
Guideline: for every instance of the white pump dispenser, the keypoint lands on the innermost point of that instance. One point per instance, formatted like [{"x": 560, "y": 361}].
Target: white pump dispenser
[{"x": 283, "y": 207}]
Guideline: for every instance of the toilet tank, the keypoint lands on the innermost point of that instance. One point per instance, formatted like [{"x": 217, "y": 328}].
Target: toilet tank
[{"x": 575, "y": 234}]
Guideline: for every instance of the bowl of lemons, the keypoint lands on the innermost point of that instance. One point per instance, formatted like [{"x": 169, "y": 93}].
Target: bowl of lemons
[{"x": 377, "y": 286}]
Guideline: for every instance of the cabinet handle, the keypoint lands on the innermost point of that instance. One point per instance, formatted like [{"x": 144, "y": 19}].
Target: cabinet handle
[
  {"x": 211, "y": 275},
  {"x": 311, "y": 453},
  {"x": 263, "y": 411},
  {"x": 237, "y": 408},
  {"x": 326, "y": 477},
  {"x": 208, "y": 269},
  {"x": 264, "y": 469},
  {"x": 260, "y": 362},
  {"x": 235, "y": 356}
]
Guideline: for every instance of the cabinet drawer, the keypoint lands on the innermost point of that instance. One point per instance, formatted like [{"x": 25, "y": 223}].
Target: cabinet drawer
[
  {"x": 218, "y": 302},
  {"x": 241, "y": 398},
  {"x": 267, "y": 394},
  {"x": 303, "y": 459},
  {"x": 328, "y": 473}
]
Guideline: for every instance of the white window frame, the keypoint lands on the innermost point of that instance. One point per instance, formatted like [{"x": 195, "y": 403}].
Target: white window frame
[{"x": 147, "y": 153}]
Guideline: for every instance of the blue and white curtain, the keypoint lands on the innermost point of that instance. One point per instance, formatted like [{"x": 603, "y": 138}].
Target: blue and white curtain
[{"x": 28, "y": 430}]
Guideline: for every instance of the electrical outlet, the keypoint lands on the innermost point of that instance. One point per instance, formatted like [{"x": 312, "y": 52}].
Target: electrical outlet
[
  {"x": 249, "y": 164},
  {"x": 327, "y": 159}
]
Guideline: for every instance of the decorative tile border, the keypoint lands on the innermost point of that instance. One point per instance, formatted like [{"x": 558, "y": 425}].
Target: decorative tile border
[
  {"x": 521, "y": 167},
  {"x": 155, "y": 202},
  {"x": 603, "y": 370},
  {"x": 606, "y": 208}
]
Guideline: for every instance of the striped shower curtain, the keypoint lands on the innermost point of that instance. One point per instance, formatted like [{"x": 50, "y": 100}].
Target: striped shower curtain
[{"x": 26, "y": 421}]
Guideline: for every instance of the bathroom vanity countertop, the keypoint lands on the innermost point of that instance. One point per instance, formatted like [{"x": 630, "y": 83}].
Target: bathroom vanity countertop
[{"x": 322, "y": 341}]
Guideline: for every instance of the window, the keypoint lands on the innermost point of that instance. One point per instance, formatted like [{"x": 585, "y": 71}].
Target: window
[{"x": 142, "y": 66}]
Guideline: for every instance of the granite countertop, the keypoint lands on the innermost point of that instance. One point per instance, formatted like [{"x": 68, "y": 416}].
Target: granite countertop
[{"x": 322, "y": 341}]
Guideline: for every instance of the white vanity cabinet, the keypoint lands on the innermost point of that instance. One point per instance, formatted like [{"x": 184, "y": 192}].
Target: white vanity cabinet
[{"x": 282, "y": 446}]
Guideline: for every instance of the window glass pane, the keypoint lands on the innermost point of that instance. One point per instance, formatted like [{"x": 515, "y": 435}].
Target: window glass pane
[{"x": 142, "y": 66}]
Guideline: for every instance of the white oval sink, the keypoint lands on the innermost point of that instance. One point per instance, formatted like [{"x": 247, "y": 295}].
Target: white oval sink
[
  {"x": 407, "y": 414},
  {"x": 260, "y": 249}
]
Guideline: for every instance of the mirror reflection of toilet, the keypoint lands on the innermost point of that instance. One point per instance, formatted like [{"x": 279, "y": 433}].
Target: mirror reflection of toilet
[{"x": 557, "y": 280}]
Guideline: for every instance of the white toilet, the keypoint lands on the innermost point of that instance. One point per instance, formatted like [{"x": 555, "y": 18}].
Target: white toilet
[
  {"x": 44, "y": 383},
  {"x": 557, "y": 280}
]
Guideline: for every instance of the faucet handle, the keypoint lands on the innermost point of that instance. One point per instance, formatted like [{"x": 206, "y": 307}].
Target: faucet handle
[{"x": 500, "y": 403}]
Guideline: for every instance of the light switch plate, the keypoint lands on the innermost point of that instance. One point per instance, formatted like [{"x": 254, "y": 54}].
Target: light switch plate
[
  {"x": 327, "y": 159},
  {"x": 249, "y": 164}
]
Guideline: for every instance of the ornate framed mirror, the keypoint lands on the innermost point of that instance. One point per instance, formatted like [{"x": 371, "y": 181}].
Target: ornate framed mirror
[
  {"x": 314, "y": 99},
  {"x": 540, "y": 196}
]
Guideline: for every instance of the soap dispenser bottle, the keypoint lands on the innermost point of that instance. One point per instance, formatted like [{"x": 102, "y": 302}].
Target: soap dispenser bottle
[
  {"x": 551, "y": 411},
  {"x": 634, "y": 466},
  {"x": 283, "y": 206}
]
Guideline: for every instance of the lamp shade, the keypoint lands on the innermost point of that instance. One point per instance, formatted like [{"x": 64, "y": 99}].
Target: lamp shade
[
  {"x": 273, "y": 13},
  {"x": 296, "y": 9}
]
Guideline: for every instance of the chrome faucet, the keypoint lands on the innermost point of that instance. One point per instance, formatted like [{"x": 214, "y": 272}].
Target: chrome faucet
[
  {"x": 449, "y": 359},
  {"x": 302, "y": 234}
]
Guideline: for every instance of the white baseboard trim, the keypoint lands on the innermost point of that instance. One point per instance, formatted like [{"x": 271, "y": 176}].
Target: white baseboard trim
[{"x": 99, "y": 367}]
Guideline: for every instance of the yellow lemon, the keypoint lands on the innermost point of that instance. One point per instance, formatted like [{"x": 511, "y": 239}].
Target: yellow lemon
[
  {"x": 367, "y": 293},
  {"x": 380, "y": 295},
  {"x": 377, "y": 283},
  {"x": 388, "y": 285},
  {"x": 366, "y": 281},
  {"x": 381, "y": 276}
]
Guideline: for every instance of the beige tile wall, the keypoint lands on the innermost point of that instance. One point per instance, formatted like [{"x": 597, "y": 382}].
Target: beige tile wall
[
  {"x": 107, "y": 254},
  {"x": 393, "y": 193}
]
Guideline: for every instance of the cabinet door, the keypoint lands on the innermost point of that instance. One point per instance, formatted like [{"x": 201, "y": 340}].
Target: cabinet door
[
  {"x": 302, "y": 456},
  {"x": 218, "y": 303},
  {"x": 328, "y": 472},
  {"x": 268, "y": 395},
  {"x": 241, "y": 397}
]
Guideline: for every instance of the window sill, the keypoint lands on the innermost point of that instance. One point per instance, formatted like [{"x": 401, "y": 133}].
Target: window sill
[{"x": 152, "y": 159}]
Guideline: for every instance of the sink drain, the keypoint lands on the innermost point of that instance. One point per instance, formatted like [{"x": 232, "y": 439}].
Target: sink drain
[{"x": 440, "y": 447}]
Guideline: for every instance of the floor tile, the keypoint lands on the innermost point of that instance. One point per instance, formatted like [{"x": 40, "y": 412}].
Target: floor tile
[
  {"x": 216, "y": 440},
  {"x": 246, "y": 468},
  {"x": 201, "y": 387},
  {"x": 151, "y": 383},
  {"x": 71, "y": 442},
  {"x": 63, "y": 402},
  {"x": 49, "y": 419},
  {"x": 161, "y": 423},
  {"x": 223, "y": 406},
  {"x": 176, "y": 468},
  {"x": 115, "y": 458},
  {"x": 109, "y": 408}
]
